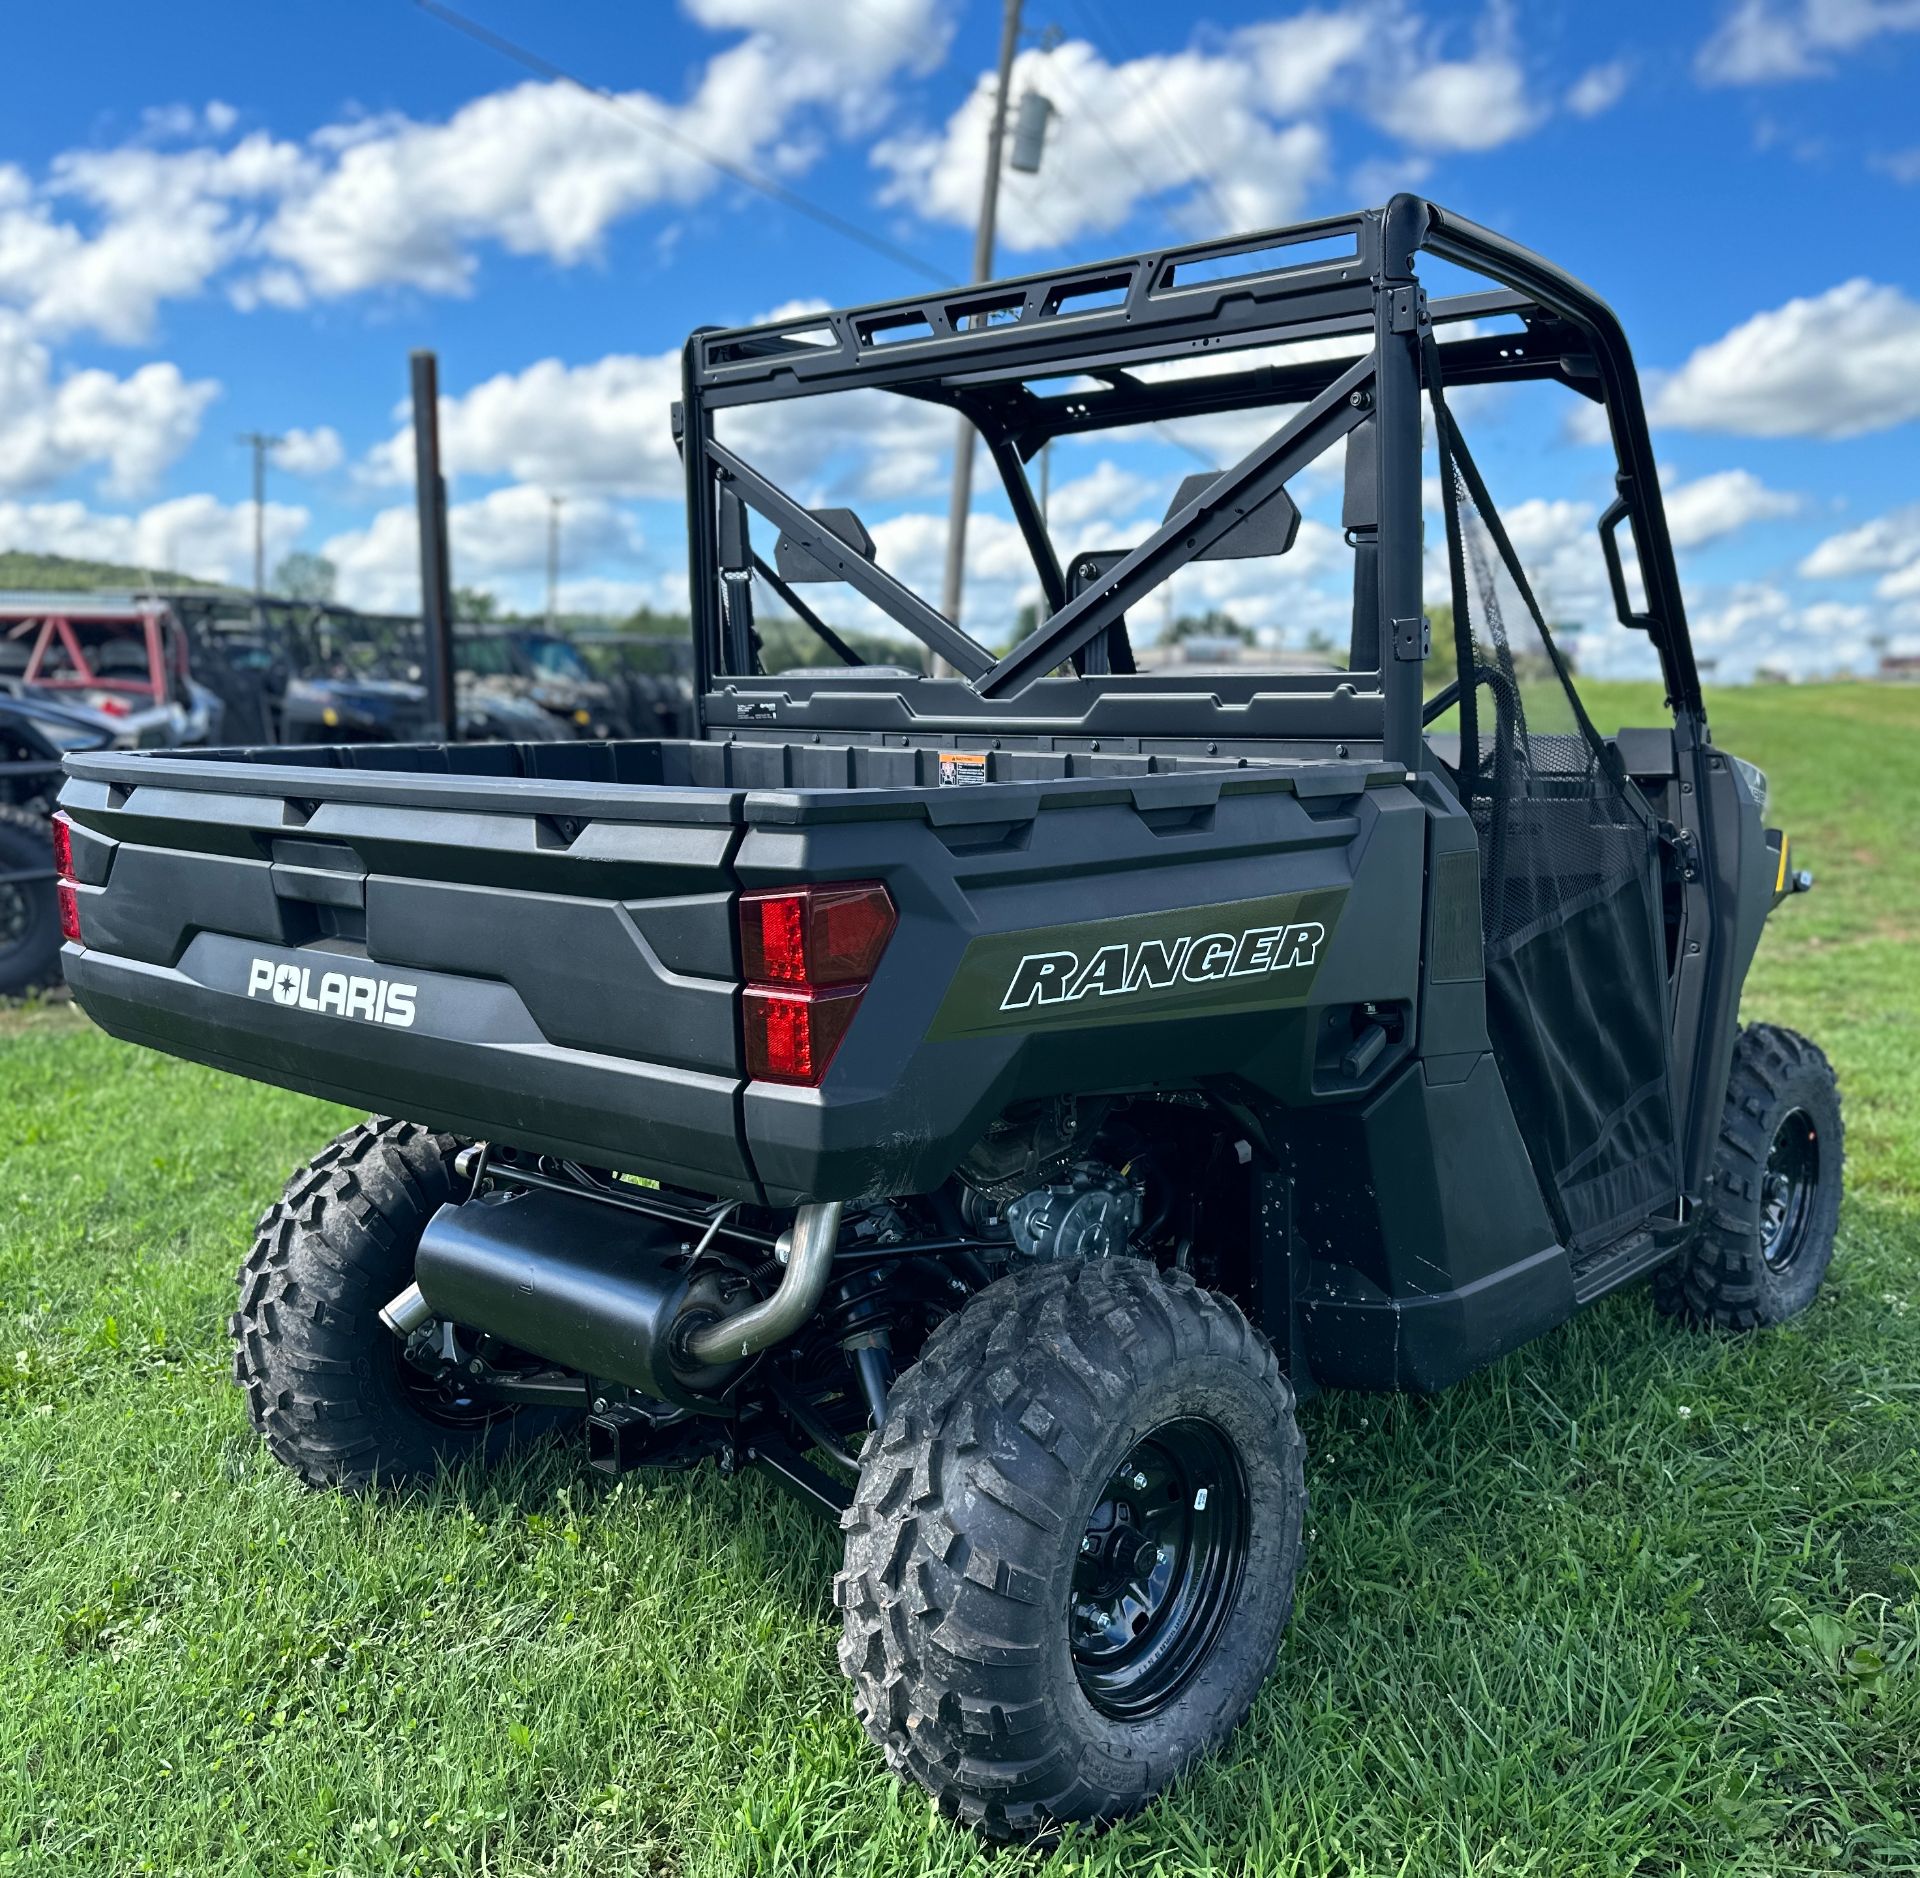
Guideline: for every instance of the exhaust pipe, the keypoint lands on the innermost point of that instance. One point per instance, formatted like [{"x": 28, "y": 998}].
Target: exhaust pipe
[
  {"x": 605, "y": 1291},
  {"x": 406, "y": 1313},
  {"x": 810, "y": 1249}
]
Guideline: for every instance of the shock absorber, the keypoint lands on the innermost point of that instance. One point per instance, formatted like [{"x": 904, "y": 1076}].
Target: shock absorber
[{"x": 861, "y": 1322}]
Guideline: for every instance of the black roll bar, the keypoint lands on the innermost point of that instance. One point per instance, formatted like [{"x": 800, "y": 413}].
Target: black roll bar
[
  {"x": 982, "y": 350},
  {"x": 1454, "y": 238}
]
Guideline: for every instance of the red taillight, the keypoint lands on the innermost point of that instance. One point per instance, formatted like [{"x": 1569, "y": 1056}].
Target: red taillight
[
  {"x": 818, "y": 936},
  {"x": 792, "y": 1035},
  {"x": 65, "y": 892},
  {"x": 807, "y": 953}
]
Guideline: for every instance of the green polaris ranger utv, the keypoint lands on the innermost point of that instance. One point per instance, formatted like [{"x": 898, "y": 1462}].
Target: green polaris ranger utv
[{"x": 989, "y": 1101}]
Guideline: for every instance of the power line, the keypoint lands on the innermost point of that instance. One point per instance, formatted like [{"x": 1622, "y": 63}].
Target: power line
[
  {"x": 1056, "y": 77},
  {"x": 775, "y": 191},
  {"x": 658, "y": 126},
  {"x": 1143, "y": 93}
]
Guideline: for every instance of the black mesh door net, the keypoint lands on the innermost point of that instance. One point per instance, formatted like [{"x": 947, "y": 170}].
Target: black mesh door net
[{"x": 1570, "y": 902}]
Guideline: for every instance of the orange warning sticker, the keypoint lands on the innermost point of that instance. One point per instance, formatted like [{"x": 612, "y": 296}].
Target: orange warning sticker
[{"x": 961, "y": 767}]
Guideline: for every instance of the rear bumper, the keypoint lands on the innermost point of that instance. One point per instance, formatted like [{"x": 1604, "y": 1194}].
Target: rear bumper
[{"x": 472, "y": 1061}]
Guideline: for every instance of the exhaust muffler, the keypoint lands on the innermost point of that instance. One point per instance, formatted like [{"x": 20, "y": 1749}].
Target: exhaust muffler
[{"x": 606, "y": 1291}]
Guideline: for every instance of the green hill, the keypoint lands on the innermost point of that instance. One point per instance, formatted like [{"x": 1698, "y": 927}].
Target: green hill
[{"x": 59, "y": 573}]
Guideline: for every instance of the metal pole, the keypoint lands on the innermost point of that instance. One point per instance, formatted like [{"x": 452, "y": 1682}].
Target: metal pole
[
  {"x": 553, "y": 560},
  {"x": 260, "y": 443},
  {"x": 259, "y": 515},
  {"x": 954, "y": 585},
  {"x": 436, "y": 581}
]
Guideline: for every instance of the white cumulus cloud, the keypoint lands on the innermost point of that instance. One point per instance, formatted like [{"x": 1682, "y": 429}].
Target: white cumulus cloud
[
  {"x": 1763, "y": 41},
  {"x": 1760, "y": 629},
  {"x": 546, "y": 168},
  {"x": 1177, "y": 124},
  {"x": 1600, "y": 88},
  {"x": 310, "y": 452},
  {"x": 55, "y": 425},
  {"x": 1902, "y": 584},
  {"x": 1101, "y": 500},
  {"x": 107, "y": 236},
  {"x": 605, "y": 427},
  {"x": 499, "y": 538},
  {"x": 1475, "y": 103},
  {"x": 1889, "y": 546},
  {"x": 192, "y": 534},
  {"x": 111, "y": 234},
  {"x": 1715, "y": 506},
  {"x": 1230, "y": 131},
  {"x": 600, "y": 426},
  {"x": 1838, "y": 364}
]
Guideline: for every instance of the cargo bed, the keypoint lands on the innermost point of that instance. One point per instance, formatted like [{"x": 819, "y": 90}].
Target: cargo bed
[{"x": 561, "y": 918}]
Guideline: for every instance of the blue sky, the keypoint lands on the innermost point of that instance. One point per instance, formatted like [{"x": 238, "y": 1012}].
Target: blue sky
[{"x": 214, "y": 219}]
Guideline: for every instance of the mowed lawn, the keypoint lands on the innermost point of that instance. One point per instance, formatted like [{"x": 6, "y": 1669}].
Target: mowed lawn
[{"x": 1636, "y": 1600}]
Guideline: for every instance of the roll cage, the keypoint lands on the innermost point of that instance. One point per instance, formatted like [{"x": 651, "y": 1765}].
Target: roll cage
[
  {"x": 58, "y": 646},
  {"x": 997, "y": 354}
]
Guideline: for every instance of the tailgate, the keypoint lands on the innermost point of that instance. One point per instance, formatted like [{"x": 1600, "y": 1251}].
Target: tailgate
[{"x": 542, "y": 962}]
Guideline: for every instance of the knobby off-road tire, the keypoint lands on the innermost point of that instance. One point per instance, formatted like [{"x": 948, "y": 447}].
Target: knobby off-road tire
[
  {"x": 326, "y": 1384},
  {"x": 1773, "y": 1201},
  {"x": 29, "y": 913},
  {"x": 1007, "y": 1451}
]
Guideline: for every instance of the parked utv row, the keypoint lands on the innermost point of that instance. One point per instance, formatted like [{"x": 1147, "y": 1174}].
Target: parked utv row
[
  {"x": 196, "y": 666},
  {"x": 991, "y": 1102}
]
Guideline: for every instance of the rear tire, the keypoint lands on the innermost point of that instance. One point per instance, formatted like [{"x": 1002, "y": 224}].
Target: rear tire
[
  {"x": 1773, "y": 1201},
  {"x": 29, "y": 912},
  {"x": 327, "y": 1386},
  {"x": 1044, "y": 1616}
]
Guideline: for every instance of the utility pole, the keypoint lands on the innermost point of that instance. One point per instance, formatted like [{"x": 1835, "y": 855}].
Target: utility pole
[
  {"x": 553, "y": 560},
  {"x": 260, "y": 443},
  {"x": 955, "y": 582}
]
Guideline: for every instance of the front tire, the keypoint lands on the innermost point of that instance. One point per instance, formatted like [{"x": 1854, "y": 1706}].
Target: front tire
[
  {"x": 1073, "y": 1548},
  {"x": 1773, "y": 1203},
  {"x": 327, "y": 1386}
]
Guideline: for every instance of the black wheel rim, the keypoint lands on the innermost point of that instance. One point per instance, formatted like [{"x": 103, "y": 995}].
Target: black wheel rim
[
  {"x": 1159, "y": 1567},
  {"x": 1787, "y": 1189},
  {"x": 446, "y": 1401}
]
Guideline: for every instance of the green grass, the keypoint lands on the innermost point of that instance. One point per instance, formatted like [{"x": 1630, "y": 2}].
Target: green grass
[{"x": 1634, "y": 1601}]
